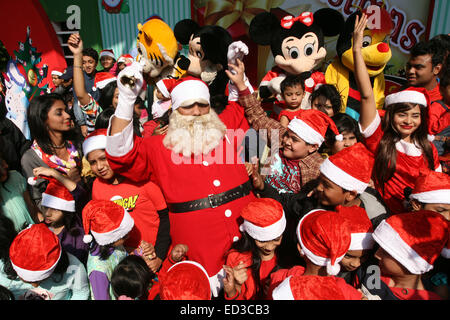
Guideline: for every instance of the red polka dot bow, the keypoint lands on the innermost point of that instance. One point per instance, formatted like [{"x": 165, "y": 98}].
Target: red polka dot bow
[{"x": 306, "y": 18}]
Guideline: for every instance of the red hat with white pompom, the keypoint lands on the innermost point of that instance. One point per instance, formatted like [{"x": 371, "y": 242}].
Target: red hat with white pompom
[
  {"x": 312, "y": 126},
  {"x": 96, "y": 140},
  {"x": 340, "y": 168},
  {"x": 361, "y": 228},
  {"x": 107, "y": 53},
  {"x": 35, "y": 252},
  {"x": 414, "y": 239},
  {"x": 417, "y": 95},
  {"x": 57, "y": 71},
  {"x": 432, "y": 187},
  {"x": 324, "y": 238},
  {"x": 56, "y": 195},
  {"x": 102, "y": 79},
  {"x": 186, "y": 280},
  {"x": 264, "y": 219},
  {"x": 106, "y": 221},
  {"x": 184, "y": 91}
]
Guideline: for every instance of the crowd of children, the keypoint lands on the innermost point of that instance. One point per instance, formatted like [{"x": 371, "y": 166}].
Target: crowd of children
[{"x": 339, "y": 209}]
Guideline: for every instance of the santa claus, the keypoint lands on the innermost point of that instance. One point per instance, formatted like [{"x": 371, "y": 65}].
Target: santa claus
[{"x": 204, "y": 185}]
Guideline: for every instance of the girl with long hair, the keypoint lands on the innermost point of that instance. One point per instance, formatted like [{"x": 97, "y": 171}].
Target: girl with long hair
[{"x": 398, "y": 140}]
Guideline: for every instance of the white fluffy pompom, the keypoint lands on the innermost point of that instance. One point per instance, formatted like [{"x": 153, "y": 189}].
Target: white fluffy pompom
[
  {"x": 87, "y": 238},
  {"x": 31, "y": 181},
  {"x": 333, "y": 270},
  {"x": 339, "y": 137}
]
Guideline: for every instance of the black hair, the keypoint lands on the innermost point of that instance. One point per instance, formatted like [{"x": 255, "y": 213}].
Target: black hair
[
  {"x": 107, "y": 95},
  {"x": 7, "y": 235},
  {"x": 132, "y": 278},
  {"x": 91, "y": 52},
  {"x": 445, "y": 78},
  {"x": 292, "y": 81},
  {"x": 6, "y": 294},
  {"x": 443, "y": 40},
  {"x": 344, "y": 123},
  {"x": 433, "y": 48},
  {"x": 37, "y": 115},
  {"x": 247, "y": 244},
  {"x": 327, "y": 92},
  {"x": 102, "y": 120}
]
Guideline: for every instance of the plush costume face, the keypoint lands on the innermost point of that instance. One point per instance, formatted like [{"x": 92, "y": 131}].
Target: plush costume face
[
  {"x": 208, "y": 47},
  {"x": 297, "y": 43},
  {"x": 157, "y": 47},
  {"x": 376, "y": 52}
]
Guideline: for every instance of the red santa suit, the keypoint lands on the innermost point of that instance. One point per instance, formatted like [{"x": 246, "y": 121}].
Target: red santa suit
[
  {"x": 438, "y": 115},
  {"x": 410, "y": 161},
  {"x": 208, "y": 232}
]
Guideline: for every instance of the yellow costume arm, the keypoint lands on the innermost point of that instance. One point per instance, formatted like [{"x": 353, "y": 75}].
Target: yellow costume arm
[{"x": 338, "y": 75}]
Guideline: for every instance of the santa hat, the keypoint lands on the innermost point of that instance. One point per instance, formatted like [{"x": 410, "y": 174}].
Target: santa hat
[
  {"x": 350, "y": 168},
  {"x": 35, "y": 252},
  {"x": 264, "y": 219},
  {"x": 308, "y": 288},
  {"x": 312, "y": 126},
  {"x": 361, "y": 228},
  {"x": 185, "y": 91},
  {"x": 324, "y": 238},
  {"x": 56, "y": 196},
  {"x": 58, "y": 72},
  {"x": 107, "y": 53},
  {"x": 123, "y": 58},
  {"x": 102, "y": 79},
  {"x": 186, "y": 280},
  {"x": 432, "y": 187},
  {"x": 417, "y": 95},
  {"x": 414, "y": 239},
  {"x": 106, "y": 221},
  {"x": 96, "y": 140}
]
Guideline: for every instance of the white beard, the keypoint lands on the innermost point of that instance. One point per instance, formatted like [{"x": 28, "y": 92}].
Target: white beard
[{"x": 194, "y": 134}]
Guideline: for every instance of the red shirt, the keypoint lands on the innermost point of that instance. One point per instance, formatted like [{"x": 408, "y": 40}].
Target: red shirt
[
  {"x": 438, "y": 117},
  {"x": 411, "y": 294},
  {"x": 141, "y": 199}
]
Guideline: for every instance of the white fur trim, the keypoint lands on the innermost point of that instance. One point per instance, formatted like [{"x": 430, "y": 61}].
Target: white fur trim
[
  {"x": 371, "y": 128},
  {"x": 406, "y": 96},
  {"x": 283, "y": 290},
  {"x": 342, "y": 178},
  {"x": 57, "y": 73},
  {"x": 106, "y": 54},
  {"x": 408, "y": 148},
  {"x": 216, "y": 282},
  {"x": 435, "y": 196},
  {"x": 392, "y": 243},
  {"x": 361, "y": 241},
  {"x": 53, "y": 202},
  {"x": 304, "y": 131},
  {"x": 94, "y": 143},
  {"x": 163, "y": 89},
  {"x": 439, "y": 168},
  {"x": 103, "y": 83},
  {"x": 188, "y": 92},
  {"x": 121, "y": 143},
  {"x": 445, "y": 253},
  {"x": 125, "y": 227},
  {"x": 195, "y": 264},
  {"x": 430, "y": 137},
  {"x": 265, "y": 233},
  {"x": 317, "y": 260},
  {"x": 36, "y": 275}
]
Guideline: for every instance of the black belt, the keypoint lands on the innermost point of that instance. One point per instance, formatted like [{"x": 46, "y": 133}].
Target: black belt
[{"x": 212, "y": 200}]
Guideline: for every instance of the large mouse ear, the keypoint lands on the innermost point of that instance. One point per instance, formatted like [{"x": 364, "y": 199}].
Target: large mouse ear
[
  {"x": 331, "y": 21},
  {"x": 184, "y": 29},
  {"x": 215, "y": 41},
  {"x": 262, "y": 27}
]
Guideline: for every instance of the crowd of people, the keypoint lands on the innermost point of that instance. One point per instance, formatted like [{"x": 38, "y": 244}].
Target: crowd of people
[{"x": 109, "y": 200}]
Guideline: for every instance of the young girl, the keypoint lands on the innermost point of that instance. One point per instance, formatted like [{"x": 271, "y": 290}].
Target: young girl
[
  {"x": 349, "y": 129},
  {"x": 326, "y": 98},
  {"x": 63, "y": 201},
  {"x": 292, "y": 91},
  {"x": 56, "y": 143},
  {"x": 398, "y": 141},
  {"x": 405, "y": 256},
  {"x": 39, "y": 264},
  {"x": 109, "y": 224},
  {"x": 132, "y": 279},
  {"x": 253, "y": 257},
  {"x": 144, "y": 201},
  {"x": 15, "y": 200}
]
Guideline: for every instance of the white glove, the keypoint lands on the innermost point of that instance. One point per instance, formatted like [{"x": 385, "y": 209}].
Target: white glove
[
  {"x": 233, "y": 93},
  {"x": 274, "y": 84},
  {"x": 127, "y": 95},
  {"x": 236, "y": 50}
]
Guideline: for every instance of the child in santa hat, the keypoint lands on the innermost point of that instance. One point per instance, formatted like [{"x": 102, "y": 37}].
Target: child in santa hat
[
  {"x": 324, "y": 237},
  {"x": 107, "y": 59},
  {"x": 62, "y": 202},
  {"x": 253, "y": 257},
  {"x": 144, "y": 201},
  {"x": 399, "y": 140},
  {"x": 41, "y": 266},
  {"x": 409, "y": 244},
  {"x": 109, "y": 225}
]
